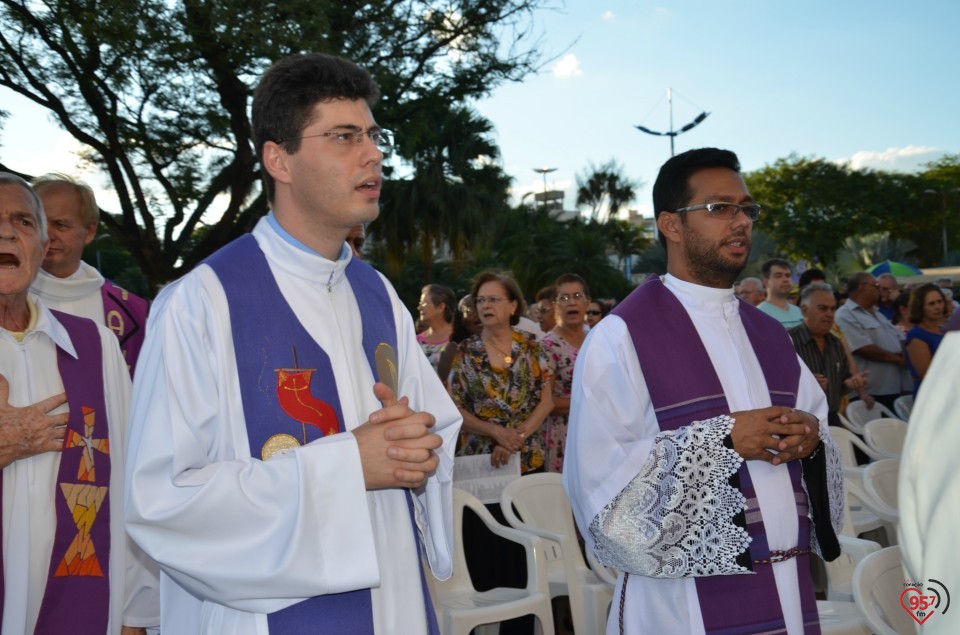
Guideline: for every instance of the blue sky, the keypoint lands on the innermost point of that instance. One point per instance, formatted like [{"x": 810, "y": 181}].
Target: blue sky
[{"x": 875, "y": 83}]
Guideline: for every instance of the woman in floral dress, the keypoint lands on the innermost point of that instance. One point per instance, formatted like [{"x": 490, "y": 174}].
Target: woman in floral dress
[
  {"x": 563, "y": 343},
  {"x": 437, "y": 306},
  {"x": 501, "y": 379}
]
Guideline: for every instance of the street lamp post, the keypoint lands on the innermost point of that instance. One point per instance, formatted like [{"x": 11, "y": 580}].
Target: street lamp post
[{"x": 544, "y": 172}]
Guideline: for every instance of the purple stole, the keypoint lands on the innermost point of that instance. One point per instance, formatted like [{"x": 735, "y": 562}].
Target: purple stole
[
  {"x": 684, "y": 387},
  {"x": 269, "y": 341},
  {"x": 77, "y": 596},
  {"x": 126, "y": 315}
]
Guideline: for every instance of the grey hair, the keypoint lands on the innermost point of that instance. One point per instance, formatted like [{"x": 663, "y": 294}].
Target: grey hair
[
  {"x": 756, "y": 281},
  {"x": 810, "y": 289},
  {"x": 6, "y": 178}
]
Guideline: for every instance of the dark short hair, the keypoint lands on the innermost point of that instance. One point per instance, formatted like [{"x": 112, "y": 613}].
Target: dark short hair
[
  {"x": 568, "y": 278},
  {"x": 513, "y": 290},
  {"x": 774, "y": 262},
  {"x": 917, "y": 299},
  {"x": 284, "y": 99},
  {"x": 440, "y": 294},
  {"x": 671, "y": 190},
  {"x": 546, "y": 293},
  {"x": 808, "y": 276},
  {"x": 855, "y": 280}
]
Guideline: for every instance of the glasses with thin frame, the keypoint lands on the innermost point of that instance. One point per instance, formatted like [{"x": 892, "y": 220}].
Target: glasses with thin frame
[
  {"x": 568, "y": 297},
  {"x": 593, "y": 312},
  {"x": 381, "y": 138},
  {"x": 725, "y": 211}
]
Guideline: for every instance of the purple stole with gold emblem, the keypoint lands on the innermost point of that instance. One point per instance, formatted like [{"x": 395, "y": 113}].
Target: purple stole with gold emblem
[
  {"x": 126, "y": 315},
  {"x": 684, "y": 388},
  {"x": 77, "y": 596},
  {"x": 290, "y": 397}
]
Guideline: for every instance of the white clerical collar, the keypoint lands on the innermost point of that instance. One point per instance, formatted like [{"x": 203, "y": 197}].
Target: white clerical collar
[
  {"x": 43, "y": 321},
  {"x": 85, "y": 281},
  {"x": 288, "y": 237},
  {"x": 289, "y": 254},
  {"x": 697, "y": 292}
]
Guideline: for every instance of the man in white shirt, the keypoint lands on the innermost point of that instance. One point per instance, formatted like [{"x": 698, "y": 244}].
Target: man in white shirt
[
  {"x": 68, "y": 284},
  {"x": 292, "y": 455},
  {"x": 67, "y": 566},
  {"x": 776, "y": 279},
  {"x": 690, "y": 415}
]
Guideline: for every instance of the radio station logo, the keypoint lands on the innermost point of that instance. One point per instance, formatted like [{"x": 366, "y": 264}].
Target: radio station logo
[{"x": 924, "y": 600}]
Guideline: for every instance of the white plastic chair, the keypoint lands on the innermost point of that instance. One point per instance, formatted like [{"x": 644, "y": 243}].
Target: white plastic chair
[
  {"x": 858, "y": 414},
  {"x": 862, "y": 507},
  {"x": 537, "y": 503},
  {"x": 877, "y": 585},
  {"x": 846, "y": 441},
  {"x": 880, "y": 483},
  {"x": 841, "y": 618},
  {"x": 886, "y": 436},
  {"x": 461, "y": 608},
  {"x": 903, "y": 405}
]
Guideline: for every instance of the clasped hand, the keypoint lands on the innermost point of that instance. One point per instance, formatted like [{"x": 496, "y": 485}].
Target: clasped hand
[
  {"x": 396, "y": 445},
  {"x": 775, "y": 434}
]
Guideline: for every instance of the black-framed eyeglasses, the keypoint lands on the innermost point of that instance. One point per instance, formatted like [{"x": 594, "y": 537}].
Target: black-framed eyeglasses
[
  {"x": 381, "y": 138},
  {"x": 725, "y": 211},
  {"x": 593, "y": 312}
]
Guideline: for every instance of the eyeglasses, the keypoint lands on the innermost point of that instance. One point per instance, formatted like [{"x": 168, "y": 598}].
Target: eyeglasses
[
  {"x": 567, "y": 297},
  {"x": 725, "y": 211},
  {"x": 381, "y": 138},
  {"x": 593, "y": 312},
  {"x": 488, "y": 299}
]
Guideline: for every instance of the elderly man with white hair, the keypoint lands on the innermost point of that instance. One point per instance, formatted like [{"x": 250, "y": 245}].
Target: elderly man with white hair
[{"x": 67, "y": 565}]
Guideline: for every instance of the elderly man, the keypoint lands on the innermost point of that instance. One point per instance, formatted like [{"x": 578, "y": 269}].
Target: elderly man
[
  {"x": 889, "y": 289},
  {"x": 292, "y": 453},
  {"x": 877, "y": 345},
  {"x": 751, "y": 290},
  {"x": 776, "y": 278},
  {"x": 697, "y": 440},
  {"x": 68, "y": 284},
  {"x": 822, "y": 351},
  {"x": 66, "y": 562}
]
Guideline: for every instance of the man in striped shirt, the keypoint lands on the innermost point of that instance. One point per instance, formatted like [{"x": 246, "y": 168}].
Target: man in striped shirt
[{"x": 823, "y": 352}]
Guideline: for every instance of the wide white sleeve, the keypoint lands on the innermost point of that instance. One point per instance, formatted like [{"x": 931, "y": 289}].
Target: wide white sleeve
[
  {"x": 646, "y": 501},
  {"x": 253, "y": 535},
  {"x": 433, "y": 503},
  {"x": 929, "y": 482}
]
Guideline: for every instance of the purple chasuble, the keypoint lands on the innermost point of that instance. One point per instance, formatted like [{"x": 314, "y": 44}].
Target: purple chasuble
[
  {"x": 77, "y": 596},
  {"x": 269, "y": 341},
  {"x": 669, "y": 348},
  {"x": 126, "y": 315}
]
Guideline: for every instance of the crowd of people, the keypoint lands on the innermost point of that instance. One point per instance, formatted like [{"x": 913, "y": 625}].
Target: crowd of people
[{"x": 284, "y": 458}]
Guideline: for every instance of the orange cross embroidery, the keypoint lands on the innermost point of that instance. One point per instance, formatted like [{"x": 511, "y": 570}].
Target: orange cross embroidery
[{"x": 86, "y": 471}]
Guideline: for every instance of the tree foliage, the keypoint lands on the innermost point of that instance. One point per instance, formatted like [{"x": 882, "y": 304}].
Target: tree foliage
[
  {"x": 158, "y": 91},
  {"x": 605, "y": 189}
]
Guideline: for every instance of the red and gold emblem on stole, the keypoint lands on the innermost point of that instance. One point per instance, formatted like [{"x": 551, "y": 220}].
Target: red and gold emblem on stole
[{"x": 294, "y": 397}]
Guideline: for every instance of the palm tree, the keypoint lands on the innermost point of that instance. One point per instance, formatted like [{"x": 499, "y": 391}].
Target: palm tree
[{"x": 605, "y": 189}]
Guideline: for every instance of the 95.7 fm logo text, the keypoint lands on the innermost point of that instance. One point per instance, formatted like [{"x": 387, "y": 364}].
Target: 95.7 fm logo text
[{"x": 923, "y": 600}]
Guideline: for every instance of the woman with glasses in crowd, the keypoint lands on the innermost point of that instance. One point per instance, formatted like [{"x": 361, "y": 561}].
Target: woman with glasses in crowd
[
  {"x": 501, "y": 379},
  {"x": 502, "y": 383},
  {"x": 562, "y": 343},
  {"x": 437, "y": 306},
  {"x": 927, "y": 314}
]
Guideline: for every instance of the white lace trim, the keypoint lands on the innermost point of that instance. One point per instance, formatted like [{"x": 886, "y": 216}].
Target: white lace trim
[
  {"x": 675, "y": 518},
  {"x": 834, "y": 490}
]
